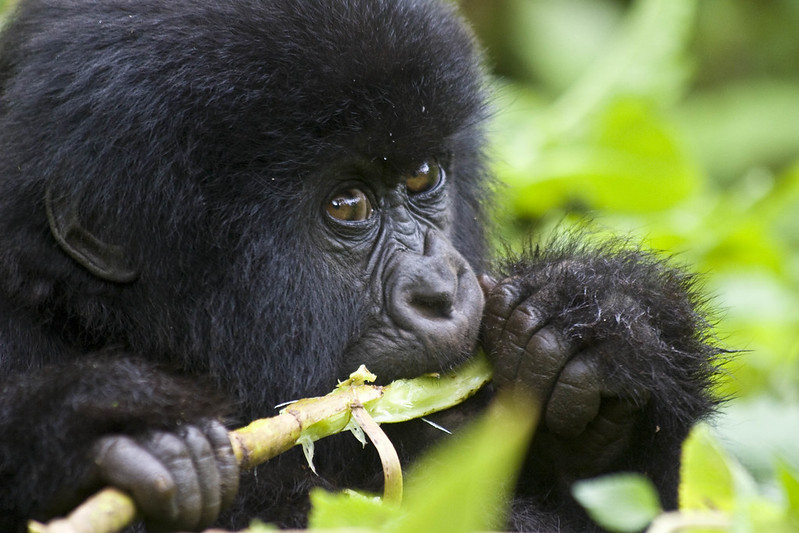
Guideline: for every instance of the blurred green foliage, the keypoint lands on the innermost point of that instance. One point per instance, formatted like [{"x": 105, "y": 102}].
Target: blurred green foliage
[
  {"x": 675, "y": 122},
  {"x": 716, "y": 494}
]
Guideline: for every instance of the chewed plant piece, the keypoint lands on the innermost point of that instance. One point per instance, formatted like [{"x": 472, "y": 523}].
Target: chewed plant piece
[{"x": 353, "y": 404}]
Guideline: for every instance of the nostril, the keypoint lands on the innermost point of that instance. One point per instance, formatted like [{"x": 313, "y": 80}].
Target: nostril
[{"x": 433, "y": 305}]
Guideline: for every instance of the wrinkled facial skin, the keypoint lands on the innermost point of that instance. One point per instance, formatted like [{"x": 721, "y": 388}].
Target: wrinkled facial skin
[{"x": 420, "y": 299}]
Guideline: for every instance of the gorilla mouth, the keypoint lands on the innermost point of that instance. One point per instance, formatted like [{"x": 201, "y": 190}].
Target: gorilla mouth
[{"x": 406, "y": 354}]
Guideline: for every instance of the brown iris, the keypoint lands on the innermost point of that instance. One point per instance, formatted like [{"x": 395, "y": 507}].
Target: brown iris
[
  {"x": 424, "y": 179},
  {"x": 351, "y": 205}
]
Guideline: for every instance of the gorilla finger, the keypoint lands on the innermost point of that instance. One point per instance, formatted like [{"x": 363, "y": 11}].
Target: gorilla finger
[
  {"x": 509, "y": 353},
  {"x": 576, "y": 398},
  {"x": 204, "y": 460},
  {"x": 499, "y": 305},
  {"x": 226, "y": 462},
  {"x": 545, "y": 356},
  {"x": 176, "y": 457},
  {"x": 528, "y": 316},
  {"x": 123, "y": 463},
  {"x": 510, "y": 350},
  {"x": 487, "y": 283}
]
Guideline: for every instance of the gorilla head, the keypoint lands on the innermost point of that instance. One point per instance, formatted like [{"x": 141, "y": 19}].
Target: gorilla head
[{"x": 294, "y": 187}]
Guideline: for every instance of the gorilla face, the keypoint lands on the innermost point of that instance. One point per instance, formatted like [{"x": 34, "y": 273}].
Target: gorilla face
[
  {"x": 422, "y": 303},
  {"x": 257, "y": 198}
]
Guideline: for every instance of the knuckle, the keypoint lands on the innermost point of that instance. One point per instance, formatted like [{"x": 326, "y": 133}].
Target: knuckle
[
  {"x": 197, "y": 441},
  {"x": 166, "y": 446}
]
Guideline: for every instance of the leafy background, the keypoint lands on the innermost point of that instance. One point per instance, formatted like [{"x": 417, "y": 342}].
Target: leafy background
[{"x": 675, "y": 122}]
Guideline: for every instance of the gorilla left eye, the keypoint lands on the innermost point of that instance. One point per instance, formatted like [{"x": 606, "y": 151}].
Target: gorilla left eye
[
  {"x": 425, "y": 178},
  {"x": 351, "y": 205}
]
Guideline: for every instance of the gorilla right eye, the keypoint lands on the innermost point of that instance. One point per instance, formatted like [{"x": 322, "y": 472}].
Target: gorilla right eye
[{"x": 351, "y": 205}]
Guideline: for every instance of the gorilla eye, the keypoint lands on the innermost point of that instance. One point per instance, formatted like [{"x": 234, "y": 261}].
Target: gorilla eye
[
  {"x": 426, "y": 178},
  {"x": 350, "y": 206}
]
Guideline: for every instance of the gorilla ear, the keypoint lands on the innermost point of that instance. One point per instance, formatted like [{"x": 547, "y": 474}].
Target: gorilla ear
[{"x": 106, "y": 261}]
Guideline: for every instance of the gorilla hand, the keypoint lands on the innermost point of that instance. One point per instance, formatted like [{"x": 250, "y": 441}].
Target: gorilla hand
[
  {"x": 536, "y": 343},
  {"x": 178, "y": 480}
]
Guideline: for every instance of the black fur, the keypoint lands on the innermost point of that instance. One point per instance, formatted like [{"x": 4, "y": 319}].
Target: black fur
[{"x": 203, "y": 138}]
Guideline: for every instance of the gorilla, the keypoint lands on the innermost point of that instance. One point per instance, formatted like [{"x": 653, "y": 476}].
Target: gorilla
[{"x": 209, "y": 207}]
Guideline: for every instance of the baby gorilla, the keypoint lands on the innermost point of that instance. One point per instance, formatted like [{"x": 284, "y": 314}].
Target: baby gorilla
[{"x": 211, "y": 207}]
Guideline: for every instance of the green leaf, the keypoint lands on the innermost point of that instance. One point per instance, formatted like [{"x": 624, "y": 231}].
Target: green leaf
[
  {"x": 758, "y": 431},
  {"x": 619, "y": 502},
  {"x": 762, "y": 514},
  {"x": 740, "y": 126},
  {"x": 256, "y": 526},
  {"x": 647, "y": 60},
  {"x": 604, "y": 144},
  {"x": 465, "y": 484},
  {"x": 556, "y": 42},
  {"x": 348, "y": 509},
  {"x": 710, "y": 478},
  {"x": 462, "y": 485},
  {"x": 789, "y": 479},
  {"x": 628, "y": 160}
]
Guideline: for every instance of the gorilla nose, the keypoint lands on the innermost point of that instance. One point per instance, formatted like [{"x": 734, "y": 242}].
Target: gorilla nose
[
  {"x": 432, "y": 297},
  {"x": 436, "y": 297}
]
